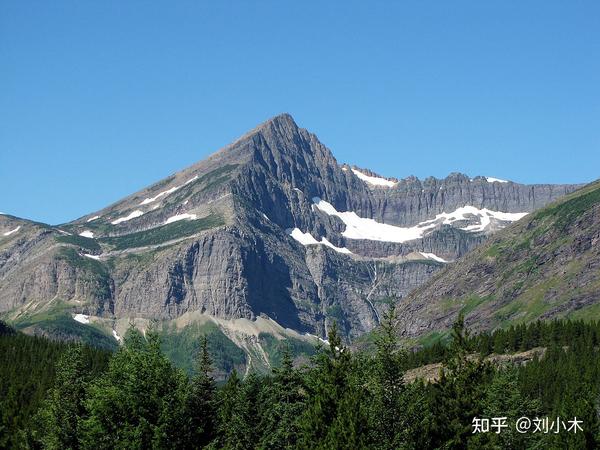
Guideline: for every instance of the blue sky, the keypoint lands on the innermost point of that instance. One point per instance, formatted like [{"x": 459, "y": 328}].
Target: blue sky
[{"x": 99, "y": 99}]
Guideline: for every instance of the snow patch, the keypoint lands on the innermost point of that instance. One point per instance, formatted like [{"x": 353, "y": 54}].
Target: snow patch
[
  {"x": 344, "y": 250},
  {"x": 161, "y": 194},
  {"x": 179, "y": 217},
  {"x": 132, "y": 215},
  {"x": 191, "y": 180},
  {"x": 433, "y": 257},
  {"x": 81, "y": 318},
  {"x": 87, "y": 234},
  {"x": 96, "y": 257},
  {"x": 495, "y": 180},
  {"x": 91, "y": 219},
  {"x": 8, "y": 233},
  {"x": 361, "y": 228},
  {"x": 324, "y": 341},
  {"x": 116, "y": 336},
  {"x": 376, "y": 181},
  {"x": 167, "y": 192},
  {"x": 308, "y": 239}
]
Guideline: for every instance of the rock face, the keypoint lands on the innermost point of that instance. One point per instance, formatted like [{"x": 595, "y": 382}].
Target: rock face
[
  {"x": 270, "y": 225},
  {"x": 545, "y": 266}
]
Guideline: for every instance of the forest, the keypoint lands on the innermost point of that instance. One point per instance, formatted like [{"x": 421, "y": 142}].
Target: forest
[{"x": 70, "y": 396}]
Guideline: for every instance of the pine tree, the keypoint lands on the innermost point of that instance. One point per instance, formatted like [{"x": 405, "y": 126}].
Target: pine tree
[
  {"x": 228, "y": 402},
  {"x": 63, "y": 409},
  {"x": 200, "y": 402},
  {"x": 243, "y": 432},
  {"x": 285, "y": 404},
  {"x": 138, "y": 402},
  {"x": 457, "y": 397},
  {"x": 503, "y": 398},
  {"x": 389, "y": 423},
  {"x": 328, "y": 383}
]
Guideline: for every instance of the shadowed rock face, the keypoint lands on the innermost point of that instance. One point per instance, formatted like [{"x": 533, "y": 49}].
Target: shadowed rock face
[{"x": 216, "y": 238}]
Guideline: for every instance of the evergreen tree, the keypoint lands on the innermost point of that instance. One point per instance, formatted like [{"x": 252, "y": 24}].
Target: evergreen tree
[
  {"x": 503, "y": 398},
  {"x": 243, "y": 432},
  {"x": 138, "y": 402},
  {"x": 457, "y": 398},
  {"x": 60, "y": 415},
  {"x": 329, "y": 386},
  {"x": 285, "y": 403},
  {"x": 200, "y": 402},
  {"x": 387, "y": 413},
  {"x": 228, "y": 402}
]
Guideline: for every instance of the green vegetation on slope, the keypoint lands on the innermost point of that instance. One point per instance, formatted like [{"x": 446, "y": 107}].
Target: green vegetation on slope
[
  {"x": 204, "y": 183},
  {"x": 92, "y": 271},
  {"x": 58, "y": 324},
  {"x": 277, "y": 348},
  {"x": 566, "y": 211},
  {"x": 181, "y": 347},
  {"x": 79, "y": 241},
  {"x": 541, "y": 267},
  {"x": 165, "y": 233}
]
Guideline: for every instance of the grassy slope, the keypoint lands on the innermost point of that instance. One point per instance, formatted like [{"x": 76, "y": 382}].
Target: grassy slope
[
  {"x": 541, "y": 267},
  {"x": 58, "y": 324}
]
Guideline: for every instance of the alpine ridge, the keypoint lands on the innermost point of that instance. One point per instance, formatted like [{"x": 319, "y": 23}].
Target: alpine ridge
[
  {"x": 270, "y": 226},
  {"x": 545, "y": 266}
]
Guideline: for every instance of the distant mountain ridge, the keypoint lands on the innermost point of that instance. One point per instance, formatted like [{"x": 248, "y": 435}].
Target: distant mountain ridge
[
  {"x": 543, "y": 267},
  {"x": 269, "y": 226}
]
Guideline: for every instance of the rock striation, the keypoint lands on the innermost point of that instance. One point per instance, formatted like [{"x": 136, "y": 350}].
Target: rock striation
[{"x": 221, "y": 237}]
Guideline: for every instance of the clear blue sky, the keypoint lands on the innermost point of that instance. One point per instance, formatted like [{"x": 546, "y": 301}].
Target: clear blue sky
[{"x": 101, "y": 98}]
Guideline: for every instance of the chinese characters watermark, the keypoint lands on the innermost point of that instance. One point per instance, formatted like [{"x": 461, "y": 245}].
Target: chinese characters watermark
[{"x": 544, "y": 425}]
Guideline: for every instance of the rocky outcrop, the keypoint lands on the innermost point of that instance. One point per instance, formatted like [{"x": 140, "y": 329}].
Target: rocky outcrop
[
  {"x": 545, "y": 266},
  {"x": 215, "y": 238}
]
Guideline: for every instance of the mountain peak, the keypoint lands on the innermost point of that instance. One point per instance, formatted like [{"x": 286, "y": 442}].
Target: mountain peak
[{"x": 281, "y": 123}]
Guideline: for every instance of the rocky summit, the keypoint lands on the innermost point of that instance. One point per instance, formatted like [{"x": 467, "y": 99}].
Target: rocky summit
[{"x": 272, "y": 226}]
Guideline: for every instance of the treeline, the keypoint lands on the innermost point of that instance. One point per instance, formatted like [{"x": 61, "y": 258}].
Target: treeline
[
  {"x": 342, "y": 400},
  {"x": 513, "y": 339},
  {"x": 27, "y": 372}
]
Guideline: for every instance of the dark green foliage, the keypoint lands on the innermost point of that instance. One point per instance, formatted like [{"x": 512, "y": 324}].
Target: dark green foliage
[
  {"x": 277, "y": 348},
  {"x": 60, "y": 415},
  {"x": 334, "y": 417},
  {"x": 27, "y": 372},
  {"x": 285, "y": 402},
  {"x": 388, "y": 421},
  {"x": 342, "y": 400},
  {"x": 165, "y": 233},
  {"x": 229, "y": 397},
  {"x": 200, "y": 407},
  {"x": 178, "y": 345},
  {"x": 80, "y": 241},
  {"x": 138, "y": 402},
  {"x": 458, "y": 396},
  {"x": 58, "y": 324}
]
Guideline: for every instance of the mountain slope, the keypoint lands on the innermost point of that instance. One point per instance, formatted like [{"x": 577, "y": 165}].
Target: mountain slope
[
  {"x": 271, "y": 225},
  {"x": 545, "y": 266}
]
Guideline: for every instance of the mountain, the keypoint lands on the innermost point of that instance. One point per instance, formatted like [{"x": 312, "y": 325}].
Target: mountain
[
  {"x": 545, "y": 266},
  {"x": 269, "y": 227}
]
